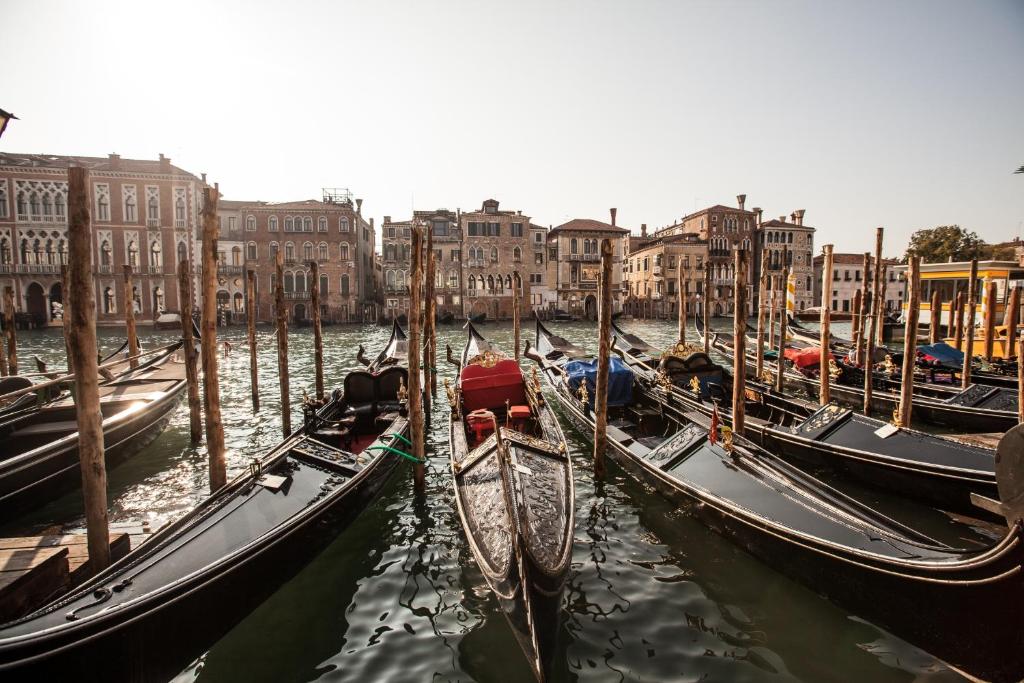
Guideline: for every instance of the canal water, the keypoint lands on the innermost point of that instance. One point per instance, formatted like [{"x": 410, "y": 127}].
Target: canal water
[{"x": 651, "y": 596}]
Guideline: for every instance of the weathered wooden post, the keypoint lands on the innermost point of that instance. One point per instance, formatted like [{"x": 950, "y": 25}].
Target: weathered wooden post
[
  {"x": 1020, "y": 380},
  {"x": 415, "y": 387},
  {"x": 739, "y": 334},
  {"x": 281, "y": 314},
  {"x": 858, "y": 298},
  {"x": 762, "y": 293},
  {"x": 682, "y": 301},
  {"x": 707, "y": 307},
  {"x": 250, "y": 324},
  {"x": 432, "y": 358},
  {"x": 430, "y": 313},
  {"x": 211, "y": 381},
  {"x": 876, "y": 289},
  {"x": 3, "y": 352},
  {"x": 780, "y": 362},
  {"x": 12, "y": 335},
  {"x": 880, "y": 314},
  {"x": 825, "y": 392},
  {"x": 990, "y": 318},
  {"x": 867, "y": 295},
  {"x": 936, "y": 321},
  {"x": 64, "y": 317},
  {"x": 972, "y": 304},
  {"x": 772, "y": 311},
  {"x": 1011, "y": 319},
  {"x": 189, "y": 350},
  {"x": 604, "y": 350},
  {"x": 318, "y": 340},
  {"x": 958, "y": 324},
  {"x": 82, "y": 332},
  {"x": 910, "y": 343},
  {"x": 515, "y": 309},
  {"x": 129, "y": 318}
]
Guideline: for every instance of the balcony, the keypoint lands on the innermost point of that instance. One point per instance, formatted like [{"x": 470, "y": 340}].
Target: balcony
[
  {"x": 225, "y": 269},
  {"x": 41, "y": 268},
  {"x": 658, "y": 271},
  {"x": 719, "y": 252},
  {"x": 152, "y": 222},
  {"x": 476, "y": 263},
  {"x": 296, "y": 296},
  {"x": 104, "y": 270},
  {"x": 180, "y": 223},
  {"x": 156, "y": 270},
  {"x": 6, "y": 267}
]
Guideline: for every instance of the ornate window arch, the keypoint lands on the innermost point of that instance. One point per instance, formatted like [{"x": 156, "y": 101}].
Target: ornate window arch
[
  {"x": 343, "y": 224},
  {"x": 272, "y": 224},
  {"x": 289, "y": 251},
  {"x": 307, "y": 251},
  {"x": 494, "y": 254},
  {"x": 344, "y": 285},
  {"x": 322, "y": 251},
  {"x": 251, "y": 251},
  {"x": 517, "y": 254},
  {"x": 106, "y": 253},
  {"x": 343, "y": 251},
  {"x": 321, "y": 224},
  {"x": 471, "y": 282}
]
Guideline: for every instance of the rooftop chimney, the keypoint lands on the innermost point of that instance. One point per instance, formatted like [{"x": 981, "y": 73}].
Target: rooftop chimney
[
  {"x": 165, "y": 164},
  {"x": 799, "y": 215},
  {"x": 758, "y": 210},
  {"x": 613, "y": 211},
  {"x": 359, "y": 207},
  {"x": 203, "y": 175},
  {"x": 782, "y": 218},
  {"x": 643, "y": 230},
  {"x": 115, "y": 161},
  {"x": 387, "y": 219},
  {"x": 741, "y": 199},
  {"x": 371, "y": 222}
]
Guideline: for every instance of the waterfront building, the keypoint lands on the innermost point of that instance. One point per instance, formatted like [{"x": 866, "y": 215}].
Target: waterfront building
[
  {"x": 952, "y": 277},
  {"x": 848, "y": 276},
  {"x": 651, "y": 275},
  {"x": 496, "y": 244},
  {"x": 396, "y": 261},
  {"x": 574, "y": 277},
  {"x": 145, "y": 213},
  {"x": 794, "y": 240},
  {"x": 543, "y": 292}
]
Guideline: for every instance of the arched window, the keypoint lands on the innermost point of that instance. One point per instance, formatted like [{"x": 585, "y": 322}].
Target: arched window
[
  {"x": 321, "y": 225},
  {"x": 573, "y": 247},
  {"x": 344, "y": 285},
  {"x": 471, "y": 283},
  {"x": 288, "y": 224},
  {"x": 108, "y": 301},
  {"x": 789, "y": 239},
  {"x": 307, "y": 224},
  {"x": 22, "y": 204},
  {"x": 6, "y": 253},
  {"x": 33, "y": 204},
  {"x": 389, "y": 279},
  {"x": 236, "y": 256},
  {"x": 307, "y": 251},
  {"x": 105, "y": 253},
  {"x": 517, "y": 254},
  {"x": 133, "y": 254},
  {"x": 59, "y": 206},
  {"x": 182, "y": 252},
  {"x": 179, "y": 209},
  {"x": 300, "y": 282},
  {"x": 323, "y": 284},
  {"x": 153, "y": 209},
  {"x": 343, "y": 251},
  {"x": 47, "y": 207},
  {"x": 130, "y": 215},
  {"x": 400, "y": 280},
  {"x": 272, "y": 224},
  {"x": 323, "y": 256},
  {"x": 155, "y": 254},
  {"x": 508, "y": 282},
  {"x": 453, "y": 279},
  {"x": 490, "y": 283},
  {"x": 289, "y": 282},
  {"x": 251, "y": 251},
  {"x": 494, "y": 254},
  {"x": 102, "y": 208},
  {"x": 343, "y": 224},
  {"x": 250, "y": 224},
  {"x": 289, "y": 251}
]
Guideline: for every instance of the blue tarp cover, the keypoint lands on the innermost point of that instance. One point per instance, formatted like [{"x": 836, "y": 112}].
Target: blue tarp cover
[
  {"x": 620, "y": 380},
  {"x": 944, "y": 353}
]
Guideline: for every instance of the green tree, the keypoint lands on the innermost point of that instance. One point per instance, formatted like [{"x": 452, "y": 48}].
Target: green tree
[{"x": 945, "y": 243}]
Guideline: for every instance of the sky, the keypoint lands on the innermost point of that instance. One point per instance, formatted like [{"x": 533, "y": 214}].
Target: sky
[{"x": 901, "y": 114}]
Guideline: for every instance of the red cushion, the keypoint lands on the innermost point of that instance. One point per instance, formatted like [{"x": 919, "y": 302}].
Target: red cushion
[
  {"x": 502, "y": 367},
  {"x": 492, "y": 391},
  {"x": 519, "y": 412}
]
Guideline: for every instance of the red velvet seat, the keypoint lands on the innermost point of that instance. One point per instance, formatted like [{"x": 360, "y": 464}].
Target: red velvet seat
[{"x": 491, "y": 387}]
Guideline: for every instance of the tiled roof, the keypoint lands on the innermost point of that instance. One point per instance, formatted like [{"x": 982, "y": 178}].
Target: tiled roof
[
  {"x": 589, "y": 225},
  {"x": 307, "y": 204},
  {"x": 776, "y": 223},
  {"x": 9, "y": 160},
  {"x": 719, "y": 207}
]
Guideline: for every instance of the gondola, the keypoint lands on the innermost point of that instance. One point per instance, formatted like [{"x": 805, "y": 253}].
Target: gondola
[
  {"x": 39, "y": 459},
  {"x": 514, "y": 492},
  {"x": 152, "y": 612},
  {"x": 962, "y": 605},
  {"x": 975, "y": 409},
  {"x": 445, "y": 317},
  {"x": 477, "y": 318},
  {"x": 928, "y": 468}
]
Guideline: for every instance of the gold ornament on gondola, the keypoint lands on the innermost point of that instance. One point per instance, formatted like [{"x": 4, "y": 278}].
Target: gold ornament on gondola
[
  {"x": 661, "y": 377},
  {"x": 402, "y": 394},
  {"x": 583, "y": 394},
  {"x": 727, "y": 439},
  {"x": 833, "y": 369},
  {"x": 695, "y": 385},
  {"x": 897, "y": 417},
  {"x": 535, "y": 378},
  {"x": 766, "y": 376},
  {"x": 450, "y": 392},
  {"x": 487, "y": 359},
  {"x": 890, "y": 367}
]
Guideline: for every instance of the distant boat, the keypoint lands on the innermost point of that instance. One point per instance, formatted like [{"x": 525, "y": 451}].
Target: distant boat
[
  {"x": 168, "y": 321},
  {"x": 445, "y": 317},
  {"x": 478, "y": 318},
  {"x": 561, "y": 316}
]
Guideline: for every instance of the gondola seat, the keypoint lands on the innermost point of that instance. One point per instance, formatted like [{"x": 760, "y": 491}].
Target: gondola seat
[
  {"x": 681, "y": 371},
  {"x": 360, "y": 394},
  {"x": 481, "y": 424},
  {"x": 518, "y": 416},
  {"x": 484, "y": 387},
  {"x": 386, "y": 385}
]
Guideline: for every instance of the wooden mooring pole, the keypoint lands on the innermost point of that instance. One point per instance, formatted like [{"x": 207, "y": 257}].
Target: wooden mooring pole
[
  {"x": 604, "y": 351},
  {"x": 910, "y": 342},
  {"x": 682, "y": 301},
  {"x": 880, "y": 330},
  {"x": 936, "y": 318},
  {"x": 855, "y": 322},
  {"x": 129, "y": 318},
  {"x": 12, "y": 335},
  {"x": 739, "y": 334},
  {"x": 281, "y": 314},
  {"x": 869, "y": 350},
  {"x": 3, "y": 352},
  {"x": 958, "y": 321},
  {"x": 318, "y": 340},
  {"x": 515, "y": 309},
  {"x": 762, "y": 294},
  {"x": 825, "y": 392},
  {"x": 82, "y": 332},
  {"x": 189, "y": 350},
  {"x": 1020, "y": 380},
  {"x": 780, "y": 362},
  {"x": 416, "y": 423},
  {"x": 862, "y": 312},
  {"x": 972, "y": 304},
  {"x": 707, "y": 307},
  {"x": 250, "y": 324},
  {"x": 211, "y": 380},
  {"x": 990, "y": 318},
  {"x": 771, "y": 312},
  {"x": 64, "y": 317},
  {"x": 1011, "y": 319},
  {"x": 430, "y": 315}
]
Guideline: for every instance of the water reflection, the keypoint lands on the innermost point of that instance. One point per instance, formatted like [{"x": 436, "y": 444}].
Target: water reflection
[{"x": 651, "y": 596}]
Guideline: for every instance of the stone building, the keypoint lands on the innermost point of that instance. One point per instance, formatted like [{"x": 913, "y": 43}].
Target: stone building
[
  {"x": 848, "y": 276},
  {"x": 543, "y": 294},
  {"x": 651, "y": 277},
  {"x": 796, "y": 241},
  {"x": 230, "y": 259},
  {"x": 725, "y": 229},
  {"x": 145, "y": 213},
  {"x": 495, "y": 245},
  {"x": 331, "y": 231},
  {"x": 396, "y": 261},
  {"x": 574, "y": 264}
]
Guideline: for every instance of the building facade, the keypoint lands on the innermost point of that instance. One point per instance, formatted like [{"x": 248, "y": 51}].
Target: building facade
[
  {"x": 396, "y": 261},
  {"x": 652, "y": 275},
  {"x": 144, "y": 213},
  {"x": 788, "y": 243},
  {"x": 574, "y": 264},
  {"x": 848, "y": 276},
  {"x": 330, "y": 231},
  {"x": 496, "y": 245}
]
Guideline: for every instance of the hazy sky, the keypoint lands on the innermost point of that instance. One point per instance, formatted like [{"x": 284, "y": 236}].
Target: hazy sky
[{"x": 901, "y": 114}]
